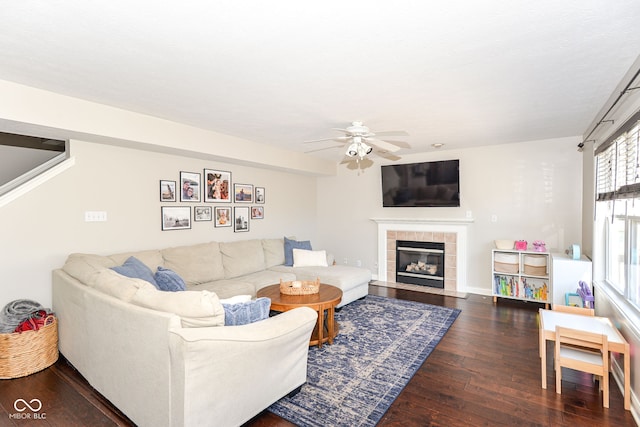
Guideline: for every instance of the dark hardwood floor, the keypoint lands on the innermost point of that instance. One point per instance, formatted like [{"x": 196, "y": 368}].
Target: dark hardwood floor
[{"x": 484, "y": 372}]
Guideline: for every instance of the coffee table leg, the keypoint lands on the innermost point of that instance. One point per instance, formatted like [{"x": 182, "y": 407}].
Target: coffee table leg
[
  {"x": 331, "y": 324},
  {"x": 320, "y": 327}
]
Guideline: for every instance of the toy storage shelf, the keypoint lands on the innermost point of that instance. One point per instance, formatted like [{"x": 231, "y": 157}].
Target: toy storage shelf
[{"x": 521, "y": 275}]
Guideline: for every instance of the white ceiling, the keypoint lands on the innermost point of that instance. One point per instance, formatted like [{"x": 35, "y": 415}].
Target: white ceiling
[{"x": 460, "y": 72}]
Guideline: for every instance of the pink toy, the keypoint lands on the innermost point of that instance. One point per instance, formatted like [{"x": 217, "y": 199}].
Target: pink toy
[
  {"x": 521, "y": 245},
  {"x": 539, "y": 246}
]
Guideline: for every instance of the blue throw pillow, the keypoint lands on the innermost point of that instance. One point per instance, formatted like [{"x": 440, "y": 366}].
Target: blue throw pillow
[
  {"x": 135, "y": 269},
  {"x": 169, "y": 280},
  {"x": 246, "y": 312},
  {"x": 290, "y": 245}
]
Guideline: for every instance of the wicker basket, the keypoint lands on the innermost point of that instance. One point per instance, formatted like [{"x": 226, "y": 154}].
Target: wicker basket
[
  {"x": 504, "y": 262},
  {"x": 300, "y": 287},
  {"x": 24, "y": 353},
  {"x": 535, "y": 265}
]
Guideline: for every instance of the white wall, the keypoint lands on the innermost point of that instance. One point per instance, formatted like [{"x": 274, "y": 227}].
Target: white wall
[
  {"x": 40, "y": 228},
  {"x": 534, "y": 188}
]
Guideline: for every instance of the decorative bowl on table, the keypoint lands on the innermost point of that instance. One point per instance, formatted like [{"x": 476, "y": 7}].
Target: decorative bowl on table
[{"x": 300, "y": 287}]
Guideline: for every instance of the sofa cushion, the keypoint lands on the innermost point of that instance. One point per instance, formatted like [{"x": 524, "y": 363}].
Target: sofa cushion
[
  {"x": 118, "y": 286},
  {"x": 290, "y": 245},
  {"x": 305, "y": 258},
  {"x": 244, "y": 313},
  {"x": 169, "y": 280},
  {"x": 273, "y": 252},
  {"x": 150, "y": 258},
  {"x": 264, "y": 278},
  {"x": 196, "y": 309},
  {"x": 135, "y": 269},
  {"x": 225, "y": 288},
  {"x": 195, "y": 263},
  {"x": 242, "y": 257},
  {"x": 85, "y": 266}
]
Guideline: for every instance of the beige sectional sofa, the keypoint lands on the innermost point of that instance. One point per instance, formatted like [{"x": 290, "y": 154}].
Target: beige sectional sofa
[{"x": 165, "y": 358}]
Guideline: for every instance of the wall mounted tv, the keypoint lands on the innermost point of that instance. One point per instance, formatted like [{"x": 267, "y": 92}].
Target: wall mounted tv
[{"x": 427, "y": 184}]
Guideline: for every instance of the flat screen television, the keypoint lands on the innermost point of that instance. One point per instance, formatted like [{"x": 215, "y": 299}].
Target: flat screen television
[{"x": 426, "y": 184}]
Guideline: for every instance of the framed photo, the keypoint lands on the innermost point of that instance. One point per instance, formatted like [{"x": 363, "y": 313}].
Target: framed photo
[
  {"x": 218, "y": 186},
  {"x": 259, "y": 194},
  {"x": 243, "y": 193},
  {"x": 167, "y": 191},
  {"x": 189, "y": 187},
  {"x": 223, "y": 216},
  {"x": 240, "y": 219},
  {"x": 176, "y": 217},
  {"x": 257, "y": 212},
  {"x": 202, "y": 213}
]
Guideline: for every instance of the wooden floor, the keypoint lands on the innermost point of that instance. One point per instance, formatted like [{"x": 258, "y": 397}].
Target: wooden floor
[{"x": 484, "y": 372}]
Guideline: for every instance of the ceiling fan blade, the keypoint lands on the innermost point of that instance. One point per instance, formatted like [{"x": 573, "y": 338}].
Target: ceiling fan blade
[
  {"x": 382, "y": 145},
  {"x": 335, "y": 138},
  {"x": 387, "y": 155},
  {"x": 325, "y": 148},
  {"x": 392, "y": 133},
  {"x": 401, "y": 144}
]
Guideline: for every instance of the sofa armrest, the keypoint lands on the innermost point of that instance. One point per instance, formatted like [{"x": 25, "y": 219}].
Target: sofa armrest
[{"x": 261, "y": 362}]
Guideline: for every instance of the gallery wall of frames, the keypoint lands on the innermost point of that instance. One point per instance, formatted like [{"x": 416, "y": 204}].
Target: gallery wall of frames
[{"x": 210, "y": 196}]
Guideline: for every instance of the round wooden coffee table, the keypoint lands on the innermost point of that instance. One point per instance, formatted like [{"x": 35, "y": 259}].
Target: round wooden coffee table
[{"x": 327, "y": 299}]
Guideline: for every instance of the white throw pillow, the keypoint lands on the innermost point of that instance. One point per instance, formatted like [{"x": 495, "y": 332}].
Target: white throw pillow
[{"x": 306, "y": 258}]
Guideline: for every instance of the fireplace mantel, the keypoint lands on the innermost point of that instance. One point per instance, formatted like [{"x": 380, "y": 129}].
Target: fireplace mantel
[
  {"x": 458, "y": 226},
  {"x": 423, "y": 220}
]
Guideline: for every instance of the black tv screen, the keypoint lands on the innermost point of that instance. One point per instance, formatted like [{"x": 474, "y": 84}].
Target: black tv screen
[{"x": 427, "y": 184}]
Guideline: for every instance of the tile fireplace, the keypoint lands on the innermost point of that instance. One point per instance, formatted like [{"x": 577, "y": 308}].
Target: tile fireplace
[{"x": 450, "y": 233}]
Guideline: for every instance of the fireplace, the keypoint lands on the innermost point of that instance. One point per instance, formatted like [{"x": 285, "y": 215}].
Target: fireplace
[
  {"x": 420, "y": 263},
  {"x": 452, "y": 232}
]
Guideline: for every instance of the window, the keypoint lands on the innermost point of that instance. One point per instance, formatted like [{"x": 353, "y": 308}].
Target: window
[{"x": 618, "y": 200}]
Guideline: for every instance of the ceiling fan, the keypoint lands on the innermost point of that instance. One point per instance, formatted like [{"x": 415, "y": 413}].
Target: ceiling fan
[{"x": 363, "y": 142}]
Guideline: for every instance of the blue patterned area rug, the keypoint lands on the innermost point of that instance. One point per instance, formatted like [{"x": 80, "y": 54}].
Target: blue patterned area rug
[{"x": 381, "y": 344}]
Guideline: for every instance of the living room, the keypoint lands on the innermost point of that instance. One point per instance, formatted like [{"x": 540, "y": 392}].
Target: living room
[{"x": 539, "y": 189}]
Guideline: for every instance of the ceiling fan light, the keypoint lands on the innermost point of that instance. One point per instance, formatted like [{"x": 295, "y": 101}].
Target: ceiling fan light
[{"x": 352, "y": 151}]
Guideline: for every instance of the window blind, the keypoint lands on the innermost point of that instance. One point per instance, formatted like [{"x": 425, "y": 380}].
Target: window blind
[{"x": 618, "y": 167}]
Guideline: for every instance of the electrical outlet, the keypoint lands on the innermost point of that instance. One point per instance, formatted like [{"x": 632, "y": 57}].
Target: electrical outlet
[
  {"x": 358, "y": 263},
  {"x": 345, "y": 261},
  {"x": 494, "y": 218},
  {"x": 95, "y": 216}
]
